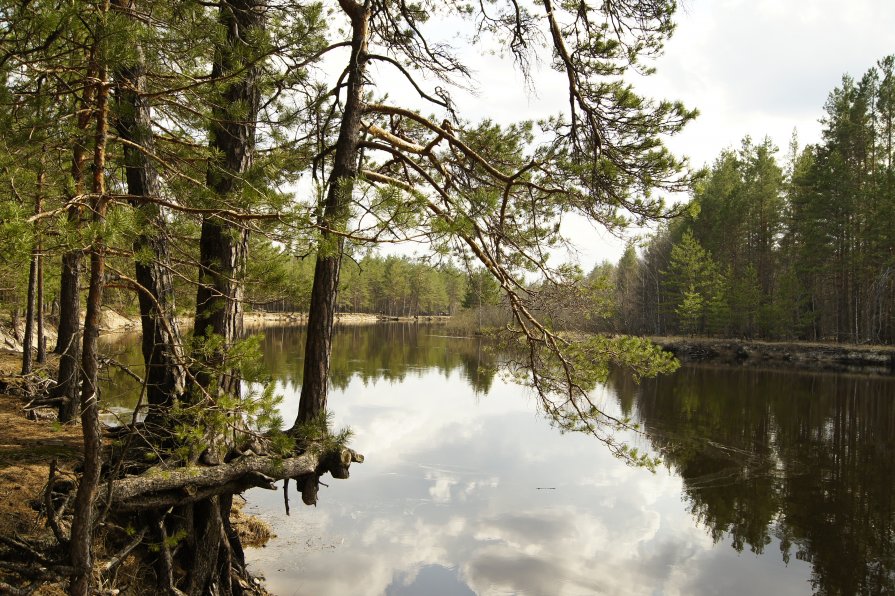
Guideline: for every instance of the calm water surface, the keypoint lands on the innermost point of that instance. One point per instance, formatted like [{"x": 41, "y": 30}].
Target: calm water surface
[{"x": 773, "y": 482}]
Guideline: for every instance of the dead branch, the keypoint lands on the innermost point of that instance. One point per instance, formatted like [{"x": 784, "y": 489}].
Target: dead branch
[{"x": 117, "y": 559}]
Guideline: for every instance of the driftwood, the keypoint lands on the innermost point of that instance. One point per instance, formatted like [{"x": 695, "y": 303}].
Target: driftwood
[{"x": 158, "y": 487}]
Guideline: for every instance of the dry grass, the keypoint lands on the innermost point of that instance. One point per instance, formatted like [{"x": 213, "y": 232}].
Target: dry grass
[{"x": 253, "y": 531}]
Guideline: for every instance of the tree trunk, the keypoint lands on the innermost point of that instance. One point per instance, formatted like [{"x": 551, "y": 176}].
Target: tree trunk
[
  {"x": 162, "y": 345},
  {"x": 223, "y": 245},
  {"x": 28, "y": 339},
  {"x": 213, "y": 550},
  {"x": 324, "y": 291},
  {"x": 69, "y": 333},
  {"x": 34, "y": 310},
  {"x": 83, "y": 522},
  {"x": 41, "y": 331},
  {"x": 68, "y": 342}
]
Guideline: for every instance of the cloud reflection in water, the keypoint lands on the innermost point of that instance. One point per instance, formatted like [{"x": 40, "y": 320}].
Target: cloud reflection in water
[{"x": 448, "y": 500}]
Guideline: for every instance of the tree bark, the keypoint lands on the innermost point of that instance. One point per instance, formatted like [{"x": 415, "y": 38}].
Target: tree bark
[
  {"x": 223, "y": 245},
  {"x": 324, "y": 292},
  {"x": 41, "y": 331},
  {"x": 28, "y": 339},
  {"x": 83, "y": 522},
  {"x": 68, "y": 342},
  {"x": 161, "y": 342},
  {"x": 160, "y": 488},
  {"x": 223, "y": 249},
  {"x": 69, "y": 333},
  {"x": 34, "y": 315}
]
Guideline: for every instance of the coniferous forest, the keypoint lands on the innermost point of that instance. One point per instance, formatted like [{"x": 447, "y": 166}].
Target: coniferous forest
[
  {"x": 798, "y": 244},
  {"x": 185, "y": 162},
  {"x": 188, "y": 160}
]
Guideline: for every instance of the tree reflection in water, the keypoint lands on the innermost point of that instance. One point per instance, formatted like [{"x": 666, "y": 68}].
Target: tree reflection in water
[
  {"x": 385, "y": 351},
  {"x": 806, "y": 458},
  {"x": 803, "y": 460}
]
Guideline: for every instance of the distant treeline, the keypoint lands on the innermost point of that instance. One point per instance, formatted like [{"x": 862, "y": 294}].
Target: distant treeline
[
  {"x": 393, "y": 286},
  {"x": 801, "y": 249},
  {"x": 281, "y": 282}
]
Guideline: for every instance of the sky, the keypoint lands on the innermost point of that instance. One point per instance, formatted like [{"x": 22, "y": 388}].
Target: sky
[
  {"x": 751, "y": 67},
  {"x": 759, "y": 68}
]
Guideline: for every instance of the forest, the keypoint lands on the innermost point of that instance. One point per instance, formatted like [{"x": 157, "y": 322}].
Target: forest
[
  {"x": 191, "y": 158},
  {"x": 800, "y": 246}
]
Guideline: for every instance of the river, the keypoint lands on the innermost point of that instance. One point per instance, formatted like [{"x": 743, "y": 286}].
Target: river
[{"x": 772, "y": 482}]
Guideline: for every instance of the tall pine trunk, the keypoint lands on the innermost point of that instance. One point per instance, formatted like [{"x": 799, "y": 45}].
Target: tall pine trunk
[
  {"x": 34, "y": 309},
  {"x": 324, "y": 291},
  {"x": 68, "y": 342},
  {"x": 30, "y": 306},
  {"x": 161, "y": 345},
  {"x": 41, "y": 329},
  {"x": 213, "y": 549},
  {"x": 83, "y": 522},
  {"x": 223, "y": 244}
]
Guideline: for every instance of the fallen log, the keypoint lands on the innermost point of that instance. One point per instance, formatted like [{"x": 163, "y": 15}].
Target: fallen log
[{"x": 161, "y": 487}]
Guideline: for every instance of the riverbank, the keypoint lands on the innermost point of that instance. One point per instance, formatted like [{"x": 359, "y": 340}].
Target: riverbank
[
  {"x": 868, "y": 359},
  {"x": 261, "y": 319},
  {"x": 111, "y": 321},
  {"x": 116, "y": 322},
  {"x": 28, "y": 450}
]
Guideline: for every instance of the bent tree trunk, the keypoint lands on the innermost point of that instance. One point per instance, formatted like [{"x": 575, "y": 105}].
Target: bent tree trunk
[
  {"x": 321, "y": 314},
  {"x": 162, "y": 348}
]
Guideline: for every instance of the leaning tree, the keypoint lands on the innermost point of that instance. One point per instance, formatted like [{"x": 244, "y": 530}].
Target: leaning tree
[
  {"x": 188, "y": 125},
  {"x": 490, "y": 194}
]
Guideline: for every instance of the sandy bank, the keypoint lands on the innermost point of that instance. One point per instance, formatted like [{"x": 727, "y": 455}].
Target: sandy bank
[{"x": 260, "y": 319}]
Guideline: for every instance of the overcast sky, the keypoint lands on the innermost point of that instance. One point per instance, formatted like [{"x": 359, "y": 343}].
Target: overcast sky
[
  {"x": 761, "y": 67},
  {"x": 751, "y": 67}
]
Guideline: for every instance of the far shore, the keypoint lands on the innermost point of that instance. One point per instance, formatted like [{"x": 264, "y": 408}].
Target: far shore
[
  {"x": 260, "y": 319},
  {"x": 802, "y": 355}
]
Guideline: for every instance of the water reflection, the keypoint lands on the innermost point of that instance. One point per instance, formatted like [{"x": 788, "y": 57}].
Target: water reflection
[
  {"x": 776, "y": 482},
  {"x": 806, "y": 461},
  {"x": 388, "y": 351}
]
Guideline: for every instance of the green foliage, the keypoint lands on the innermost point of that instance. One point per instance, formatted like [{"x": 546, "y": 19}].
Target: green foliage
[
  {"x": 212, "y": 414},
  {"x": 802, "y": 251},
  {"x": 690, "y": 310},
  {"x": 564, "y": 381},
  {"x": 317, "y": 436},
  {"x": 481, "y": 290}
]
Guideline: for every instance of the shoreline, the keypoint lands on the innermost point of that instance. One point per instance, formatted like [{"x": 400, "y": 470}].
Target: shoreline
[
  {"x": 260, "y": 319},
  {"x": 817, "y": 356}
]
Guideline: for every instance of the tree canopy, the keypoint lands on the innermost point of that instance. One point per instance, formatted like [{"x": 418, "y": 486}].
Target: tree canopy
[
  {"x": 154, "y": 146},
  {"x": 795, "y": 248}
]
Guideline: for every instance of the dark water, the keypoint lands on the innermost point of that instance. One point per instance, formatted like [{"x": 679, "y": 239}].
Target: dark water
[{"x": 773, "y": 482}]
